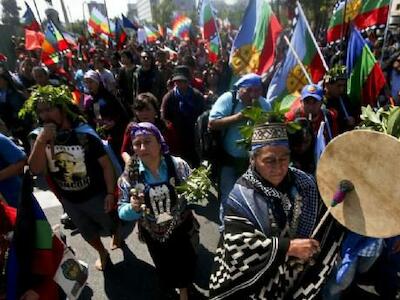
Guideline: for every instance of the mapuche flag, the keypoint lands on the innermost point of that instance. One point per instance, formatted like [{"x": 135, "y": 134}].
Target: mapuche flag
[
  {"x": 253, "y": 50},
  {"x": 209, "y": 29},
  {"x": 289, "y": 78},
  {"x": 53, "y": 45},
  {"x": 361, "y": 13},
  {"x": 29, "y": 21},
  {"x": 34, "y": 254},
  {"x": 365, "y": 76},
  {"x": 120, "y": 35}
]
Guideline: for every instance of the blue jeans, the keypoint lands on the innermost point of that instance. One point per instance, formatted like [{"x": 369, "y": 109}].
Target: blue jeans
[
  {"x": 333, "y": 290},
  {"x": 227, "y": 180}
]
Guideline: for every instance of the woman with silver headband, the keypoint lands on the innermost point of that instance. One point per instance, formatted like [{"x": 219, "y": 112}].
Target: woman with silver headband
[
  {"x": 147, "y": 194},
  {"x": 266, "y": 251}
]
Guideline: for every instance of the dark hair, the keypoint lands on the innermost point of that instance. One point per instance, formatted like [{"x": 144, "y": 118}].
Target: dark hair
[
  {"x": 41, "y": 70},
  {"x": 6, "y": 75},
  {"x": 145, "y": 99},
  {"x": 189, "y": 61},
  {"x": 297, "y": 137},
  {"x": 128, "y": 54}
]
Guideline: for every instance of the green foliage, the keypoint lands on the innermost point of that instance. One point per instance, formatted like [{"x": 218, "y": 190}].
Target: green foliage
[
  {"x": 318, "y": 12},
  {"x": 10, "y": 14},
  {"x": 257, "y": 116},
  {"x": 163, "y": 12},
  {"x": 386, "y": 120},
  {"x": 338, "y": 72},
  {"x": 56, "y": 96},
  {"x": 234, "y": 13},
  {"x": 78, "y": 27},
  {"x": 196, "y": 187}
]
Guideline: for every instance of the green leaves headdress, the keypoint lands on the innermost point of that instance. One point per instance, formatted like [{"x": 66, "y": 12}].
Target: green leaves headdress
[{"x": 60, "y": 97}]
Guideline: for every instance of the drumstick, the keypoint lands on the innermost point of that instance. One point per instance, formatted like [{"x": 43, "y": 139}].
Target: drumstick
[{"x": 345, "y": 186}]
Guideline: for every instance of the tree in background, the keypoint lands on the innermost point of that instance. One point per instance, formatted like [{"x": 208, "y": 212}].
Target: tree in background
[
  {"x": 234, "y": 12},
  {"x": 162, "y": 13},
  {"x": 78, "y": 27},
  {"x": 10, "y": 15}
]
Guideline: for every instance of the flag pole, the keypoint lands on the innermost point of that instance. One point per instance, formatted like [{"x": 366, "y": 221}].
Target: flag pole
[
  {"x": 37, "y": 11},
  {"x": 109, "y": 26},
  {"x": 85, "y": 30},
  {"x": 342, "y": 37},
  {"x": 303, "y": 68},
  {"x": 312, "y": 37},
  {"x": 217, "y": 28},
  {"x": 386, "y": 32}
]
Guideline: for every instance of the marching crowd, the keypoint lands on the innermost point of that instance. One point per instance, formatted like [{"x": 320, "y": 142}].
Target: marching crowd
[{"x": 115, "y": 132}]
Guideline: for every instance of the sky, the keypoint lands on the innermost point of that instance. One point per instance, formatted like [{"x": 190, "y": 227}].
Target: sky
[{"x": 75, "y": 7}]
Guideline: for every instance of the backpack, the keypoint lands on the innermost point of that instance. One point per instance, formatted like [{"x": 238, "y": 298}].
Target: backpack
[{"x": 209, "y": 143}]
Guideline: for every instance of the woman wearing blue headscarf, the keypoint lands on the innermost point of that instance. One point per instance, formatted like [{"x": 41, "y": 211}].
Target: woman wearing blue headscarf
[{"x": 147, "y": 194}]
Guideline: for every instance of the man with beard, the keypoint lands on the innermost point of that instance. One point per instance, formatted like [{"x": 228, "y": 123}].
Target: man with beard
[{"x": 88, "y": 198}]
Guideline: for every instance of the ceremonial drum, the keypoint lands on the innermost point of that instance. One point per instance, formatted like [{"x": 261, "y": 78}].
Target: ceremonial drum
[{"x": 371, "y": 162}]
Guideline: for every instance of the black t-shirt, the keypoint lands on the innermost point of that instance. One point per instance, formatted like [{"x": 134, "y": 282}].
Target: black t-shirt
[{"x": 75, "y": 169}]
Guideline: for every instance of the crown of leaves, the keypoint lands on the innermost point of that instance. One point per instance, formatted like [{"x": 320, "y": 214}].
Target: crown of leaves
[
  {"x": 256, "y": 116},
  {"x": 55, "y": 96},
  {"x": 338, "y": 72}
]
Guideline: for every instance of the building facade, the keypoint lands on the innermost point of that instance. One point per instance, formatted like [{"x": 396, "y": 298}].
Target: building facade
[{"x": 144, "y": 11}]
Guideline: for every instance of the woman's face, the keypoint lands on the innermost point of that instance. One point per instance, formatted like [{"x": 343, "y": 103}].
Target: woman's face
[
  {"x": 272, "y": 163},
  {"x": 146, "y": 114},
  {"x": 146, "y": 147},
  {"x": 91, "y": 85}
]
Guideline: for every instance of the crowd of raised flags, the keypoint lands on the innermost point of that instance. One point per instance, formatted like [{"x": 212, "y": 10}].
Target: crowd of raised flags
[{"x": 254, "y": 48}]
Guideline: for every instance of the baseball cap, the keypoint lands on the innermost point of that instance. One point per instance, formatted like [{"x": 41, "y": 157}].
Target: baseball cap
[{"x": 312, "y": 90}]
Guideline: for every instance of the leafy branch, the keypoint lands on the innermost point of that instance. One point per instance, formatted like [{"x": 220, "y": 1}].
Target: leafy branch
[
  {"x": 386, "y": 120},
  {"x": 257, "y": 116},
  {"x": 196, "y": 187}
]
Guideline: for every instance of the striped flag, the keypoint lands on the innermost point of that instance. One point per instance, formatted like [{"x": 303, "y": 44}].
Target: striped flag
[
  {"x": 128, "y": 24},
  {"x": 365, "y": 76},
  {"x": 120, "y": 35},
  {"x": 361, "y": 13},
  {"x": 28, "y": 20},
  {"x": 209, "y": 29},
  {"x": 253, "y": 50},
  {"x": 32, "y": 252},
  {"x": 151, "y": 34},
  {"x": 53, "y": 45},
  {"x": 289, "y": 78},
  {"x": 98, "y": 25}
]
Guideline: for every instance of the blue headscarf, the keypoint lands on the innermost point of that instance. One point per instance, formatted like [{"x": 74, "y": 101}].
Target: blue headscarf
[{"x": 146, "y": 128}]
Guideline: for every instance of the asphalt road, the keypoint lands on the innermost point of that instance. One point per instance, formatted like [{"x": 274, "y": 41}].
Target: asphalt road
[{"x": 132, "y": 273}]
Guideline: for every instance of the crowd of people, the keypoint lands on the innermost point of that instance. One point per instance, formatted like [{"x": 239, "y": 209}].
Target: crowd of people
[{"x": 115, "y": 132}]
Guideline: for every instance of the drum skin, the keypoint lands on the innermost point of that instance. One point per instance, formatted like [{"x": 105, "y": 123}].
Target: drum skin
[{"x": 371, "y": 161}]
